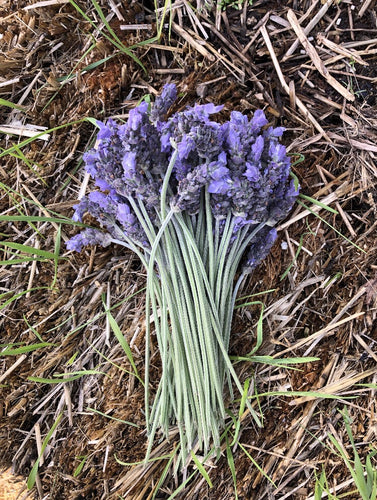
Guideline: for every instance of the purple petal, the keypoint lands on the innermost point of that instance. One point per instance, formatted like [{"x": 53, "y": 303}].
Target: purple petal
[
  {"x": 257, "y": 148},
  {"x": 259, "y": 120},
  {"x": 252, "y": 172},
  {"x": 129, "y": 164}
]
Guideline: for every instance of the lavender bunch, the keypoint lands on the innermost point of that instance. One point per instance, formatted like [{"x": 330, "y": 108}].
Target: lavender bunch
[{"x": 196, "y": 200}]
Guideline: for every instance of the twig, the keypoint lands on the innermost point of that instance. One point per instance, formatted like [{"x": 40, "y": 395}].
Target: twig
[
  {"x": 38, "y": 440},
  {"x": 309, "y": 27},
  {"x": 32, "y": 271},
  {"x": 364, "y": 7},
  {"x": 45, "y": 3},
  {"x": 115, "y": 9},
  {"x": 339, "y": 49},
  {"x": 313, "y": 54},
  {"x": 283, "y": 83},
  {"x": 19, "y": 361},
  {"x": 25, "y": 131},
  {"x": 226, "y": 41},
  {"x": 191, "y": 40}
]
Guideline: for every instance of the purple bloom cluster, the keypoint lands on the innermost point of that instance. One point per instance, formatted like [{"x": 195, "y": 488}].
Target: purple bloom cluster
[
  {"x": 260, "y": 248},
  {"x": 88, "y": 236},
  {"x": 241, "y": 164}
]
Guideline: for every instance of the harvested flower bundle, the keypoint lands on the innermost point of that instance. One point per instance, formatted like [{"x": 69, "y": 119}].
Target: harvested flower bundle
[{"x": 196, "y": 200}]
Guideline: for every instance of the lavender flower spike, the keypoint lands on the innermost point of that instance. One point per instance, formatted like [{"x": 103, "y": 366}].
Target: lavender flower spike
[{"x": 88, "y": 236}]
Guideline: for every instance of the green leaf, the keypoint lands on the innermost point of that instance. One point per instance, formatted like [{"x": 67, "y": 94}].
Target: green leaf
[
  {"x": 28, "y": 249},
  {"x": 232, "y": 468},
  {"x": 319, "y": 203},
  {"x": 9, "y": 104},
  {"x": 80, "y": 467},
  {"x": 201, "y": 469},
  {"x": 122, "y": 341},
  {"x": 24, "y": 349},
  {"x": 112, "y": 418},
  {"x": 34, "y": 471}
]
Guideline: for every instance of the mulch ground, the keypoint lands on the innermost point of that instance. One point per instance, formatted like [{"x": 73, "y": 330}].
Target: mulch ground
[{"x": 312, "y": 66}]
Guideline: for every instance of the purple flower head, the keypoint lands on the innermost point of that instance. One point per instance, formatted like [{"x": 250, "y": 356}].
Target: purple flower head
[
  {"x": 275, "y": 132},
  {"x": 277, "y": 152},
  {"x": 205, "y": 110},
  {"x": 189, "y": 190},
  {"x": 103, "y": 185},
  {"x": 257, "y": 148},
  {"x": 105, "y": 130},
  {"x": 129, "y": 165},
  {"x": 88, "y": 236},
  {"x": 258, "y": 121},
  {"x": 124, "y": 215},
  {"x": 136, "y": 115},
  {"x": 252, "y": 172},
  {"x": 80, "y": 210},
  {"x": 100, "y": 199},
  {"x": 219, "y": 175},
  {"x": 185, "y": 146},
  {"x": 260, "y": 248},
  {"x": 163, "y": 102}
]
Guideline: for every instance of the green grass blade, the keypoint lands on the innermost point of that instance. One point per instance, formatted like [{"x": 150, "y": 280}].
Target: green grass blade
[
  {"x": 25, "y": 349},
  {"x": 80, "y": 467},
  {"x": 18, "y": 295},
  {"x": 112, "y": 418},
  {"x": 28, "y": 249},
  {"x": 230, "y": 459},
  {"x": 34, "y": 471},
  {"x": 201, "y": 469},
  {"x": 113, "y": 38},
  {"x": 330, "y": 226},
  {"x": 257, "y": 465},
  {"x": 41, "y": 218},
  {"x": 11, "y": 262},
  {"x": 254, "y": 295},
  {"x": 27, "y": 141},
  {"x": 123, "y": 342},
  {"x": 9, "y": 104},
  {"x": 164, "y": 473},
  {"x": 318, "y": 203},
  {"x": 269, "y": 360},
  {"x": 72, "y": 376},
  {"x": 241, "y": 410},
  {"x": 295, "y": 257},
  {"x": 132, "y": 464},
  {"x": 57, "y": 247}
]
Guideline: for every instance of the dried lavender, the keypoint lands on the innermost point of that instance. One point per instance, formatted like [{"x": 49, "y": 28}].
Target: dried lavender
[{"x": 197, "y": 201}]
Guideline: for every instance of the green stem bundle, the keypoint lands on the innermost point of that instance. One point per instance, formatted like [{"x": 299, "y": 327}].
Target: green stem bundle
[{"x": 190, "y": 289}]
